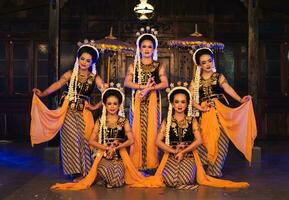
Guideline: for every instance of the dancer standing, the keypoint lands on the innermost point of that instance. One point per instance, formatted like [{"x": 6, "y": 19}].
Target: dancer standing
[{"x": 146, "y": 77}]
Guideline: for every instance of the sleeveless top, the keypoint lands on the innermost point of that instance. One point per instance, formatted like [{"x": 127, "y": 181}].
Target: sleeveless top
[
  {"x": 181, "y": 132},
  {"x": 84, "y": 91},
  {"x": 210, "y": 88},
  {"x": 151, "y": 70},
  {"x": 116, "y": 132}
]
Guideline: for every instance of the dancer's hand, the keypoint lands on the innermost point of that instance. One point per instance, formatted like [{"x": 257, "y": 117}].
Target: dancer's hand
[
  {"x": 180, "y": 147},
  {"x": 144, "y": 92},
  {"x": 179, "y": 156},
  {"x": 245, "y": 99},
  {"x": 38, "y": 92},
  {"x": 110, "y": 152},
  {"x": 206, "y": 108},
  {"x": 151, "y": 82},
  {"x": 147, "y": 88}
]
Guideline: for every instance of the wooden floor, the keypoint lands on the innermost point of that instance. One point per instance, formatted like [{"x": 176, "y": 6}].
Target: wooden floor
[{"x": 26, "y": 173}]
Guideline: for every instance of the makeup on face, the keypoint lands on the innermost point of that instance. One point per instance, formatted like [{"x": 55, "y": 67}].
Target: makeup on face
[
  {"x": 180, "y": 102},
  {"x": 206, "y": 62},
  {"x": 85, "y": 61},
  {"x": 112, "y": 105},
  {"x": 146, "y": 48}
]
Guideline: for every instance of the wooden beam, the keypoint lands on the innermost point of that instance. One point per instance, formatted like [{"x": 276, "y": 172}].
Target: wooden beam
[
  {"x": 253, "y": 46},
  {"x": 53, "y": 47}
]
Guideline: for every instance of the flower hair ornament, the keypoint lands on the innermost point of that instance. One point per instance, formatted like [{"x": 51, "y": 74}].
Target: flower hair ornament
[
  {"x": 103, "y": 128},
  {"x": 196, "y": 83},
  {"x": 170, "y": 91},
  {"x": 72, "y": 90}
]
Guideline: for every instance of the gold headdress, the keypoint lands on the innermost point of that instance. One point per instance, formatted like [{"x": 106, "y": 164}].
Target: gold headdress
[
  {"x": 103, "y": 128},
  {"x": 170, "y": 91}
]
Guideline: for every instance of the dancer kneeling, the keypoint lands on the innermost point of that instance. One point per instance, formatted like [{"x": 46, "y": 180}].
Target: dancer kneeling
[
  {"x": 180, "y": 135},
  {"x": 179, "y": 138},
  {"x": 111, "y": 133}
]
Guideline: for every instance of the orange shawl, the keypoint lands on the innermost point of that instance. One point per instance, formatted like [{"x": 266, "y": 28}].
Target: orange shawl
[
  {"x": 238, "y": 123},
  {"x": 136, "y": 149},
  {"x": 46, "y": 123},
  {"x": 135, "y": 179}
]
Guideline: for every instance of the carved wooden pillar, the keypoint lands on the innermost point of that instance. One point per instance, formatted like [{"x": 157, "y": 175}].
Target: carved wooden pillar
[
  {"x": 53, "y": 47},
  {"x": 284, "y": 65},
  {"x": 253, "y": 46},
  {"x": 53, "y": 59}
]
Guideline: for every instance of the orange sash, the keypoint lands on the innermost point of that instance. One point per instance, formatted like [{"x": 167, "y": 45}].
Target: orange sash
[
  {"x": 238, "y": 123},
  {"x": 136, "y": 149},
  {"x": 45, "y": 123}
]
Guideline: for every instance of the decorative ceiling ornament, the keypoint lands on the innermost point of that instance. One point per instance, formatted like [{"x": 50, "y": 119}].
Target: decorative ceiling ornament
[{"x": 144, "y": 10}]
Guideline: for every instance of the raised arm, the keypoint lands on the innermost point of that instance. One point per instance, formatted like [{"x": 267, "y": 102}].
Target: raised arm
[
  {"x": 99, "y": 83},
  {"x": 54, "y": 86},
  {"x": 230, "y": 91}
]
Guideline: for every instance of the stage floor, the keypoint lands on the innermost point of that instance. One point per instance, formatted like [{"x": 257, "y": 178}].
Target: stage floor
[{"x": 26, "y": 174}]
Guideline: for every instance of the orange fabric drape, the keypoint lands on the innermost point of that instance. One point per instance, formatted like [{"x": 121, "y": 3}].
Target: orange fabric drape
[
  {"x": 238, "y": 123},
  {"x": 135, "y": 179},
  {"x": 45, "y": 123},
  {"x": 204, "y": 179},
  {"x": 132, "y": 176},
  {"x": 152, "y": 150},
  {"x": 136, "y": 149},
  {"x": 89, "y": 123},
  {"x": 84, "y": 183}
]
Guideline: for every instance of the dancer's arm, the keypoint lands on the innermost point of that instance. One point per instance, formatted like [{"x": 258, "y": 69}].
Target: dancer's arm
[
  {"x": 54, "y": 86},
  {"x": 230, "y": 91},
  {"x": 128, "y": 81},
  {"x": 99, "y": 83},
  {"x": 93, "y": 140},
  {"x": 160, "y": 138}
]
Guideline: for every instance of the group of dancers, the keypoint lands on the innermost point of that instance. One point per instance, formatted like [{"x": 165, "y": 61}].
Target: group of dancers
[{"x": 114, "y": 150}]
